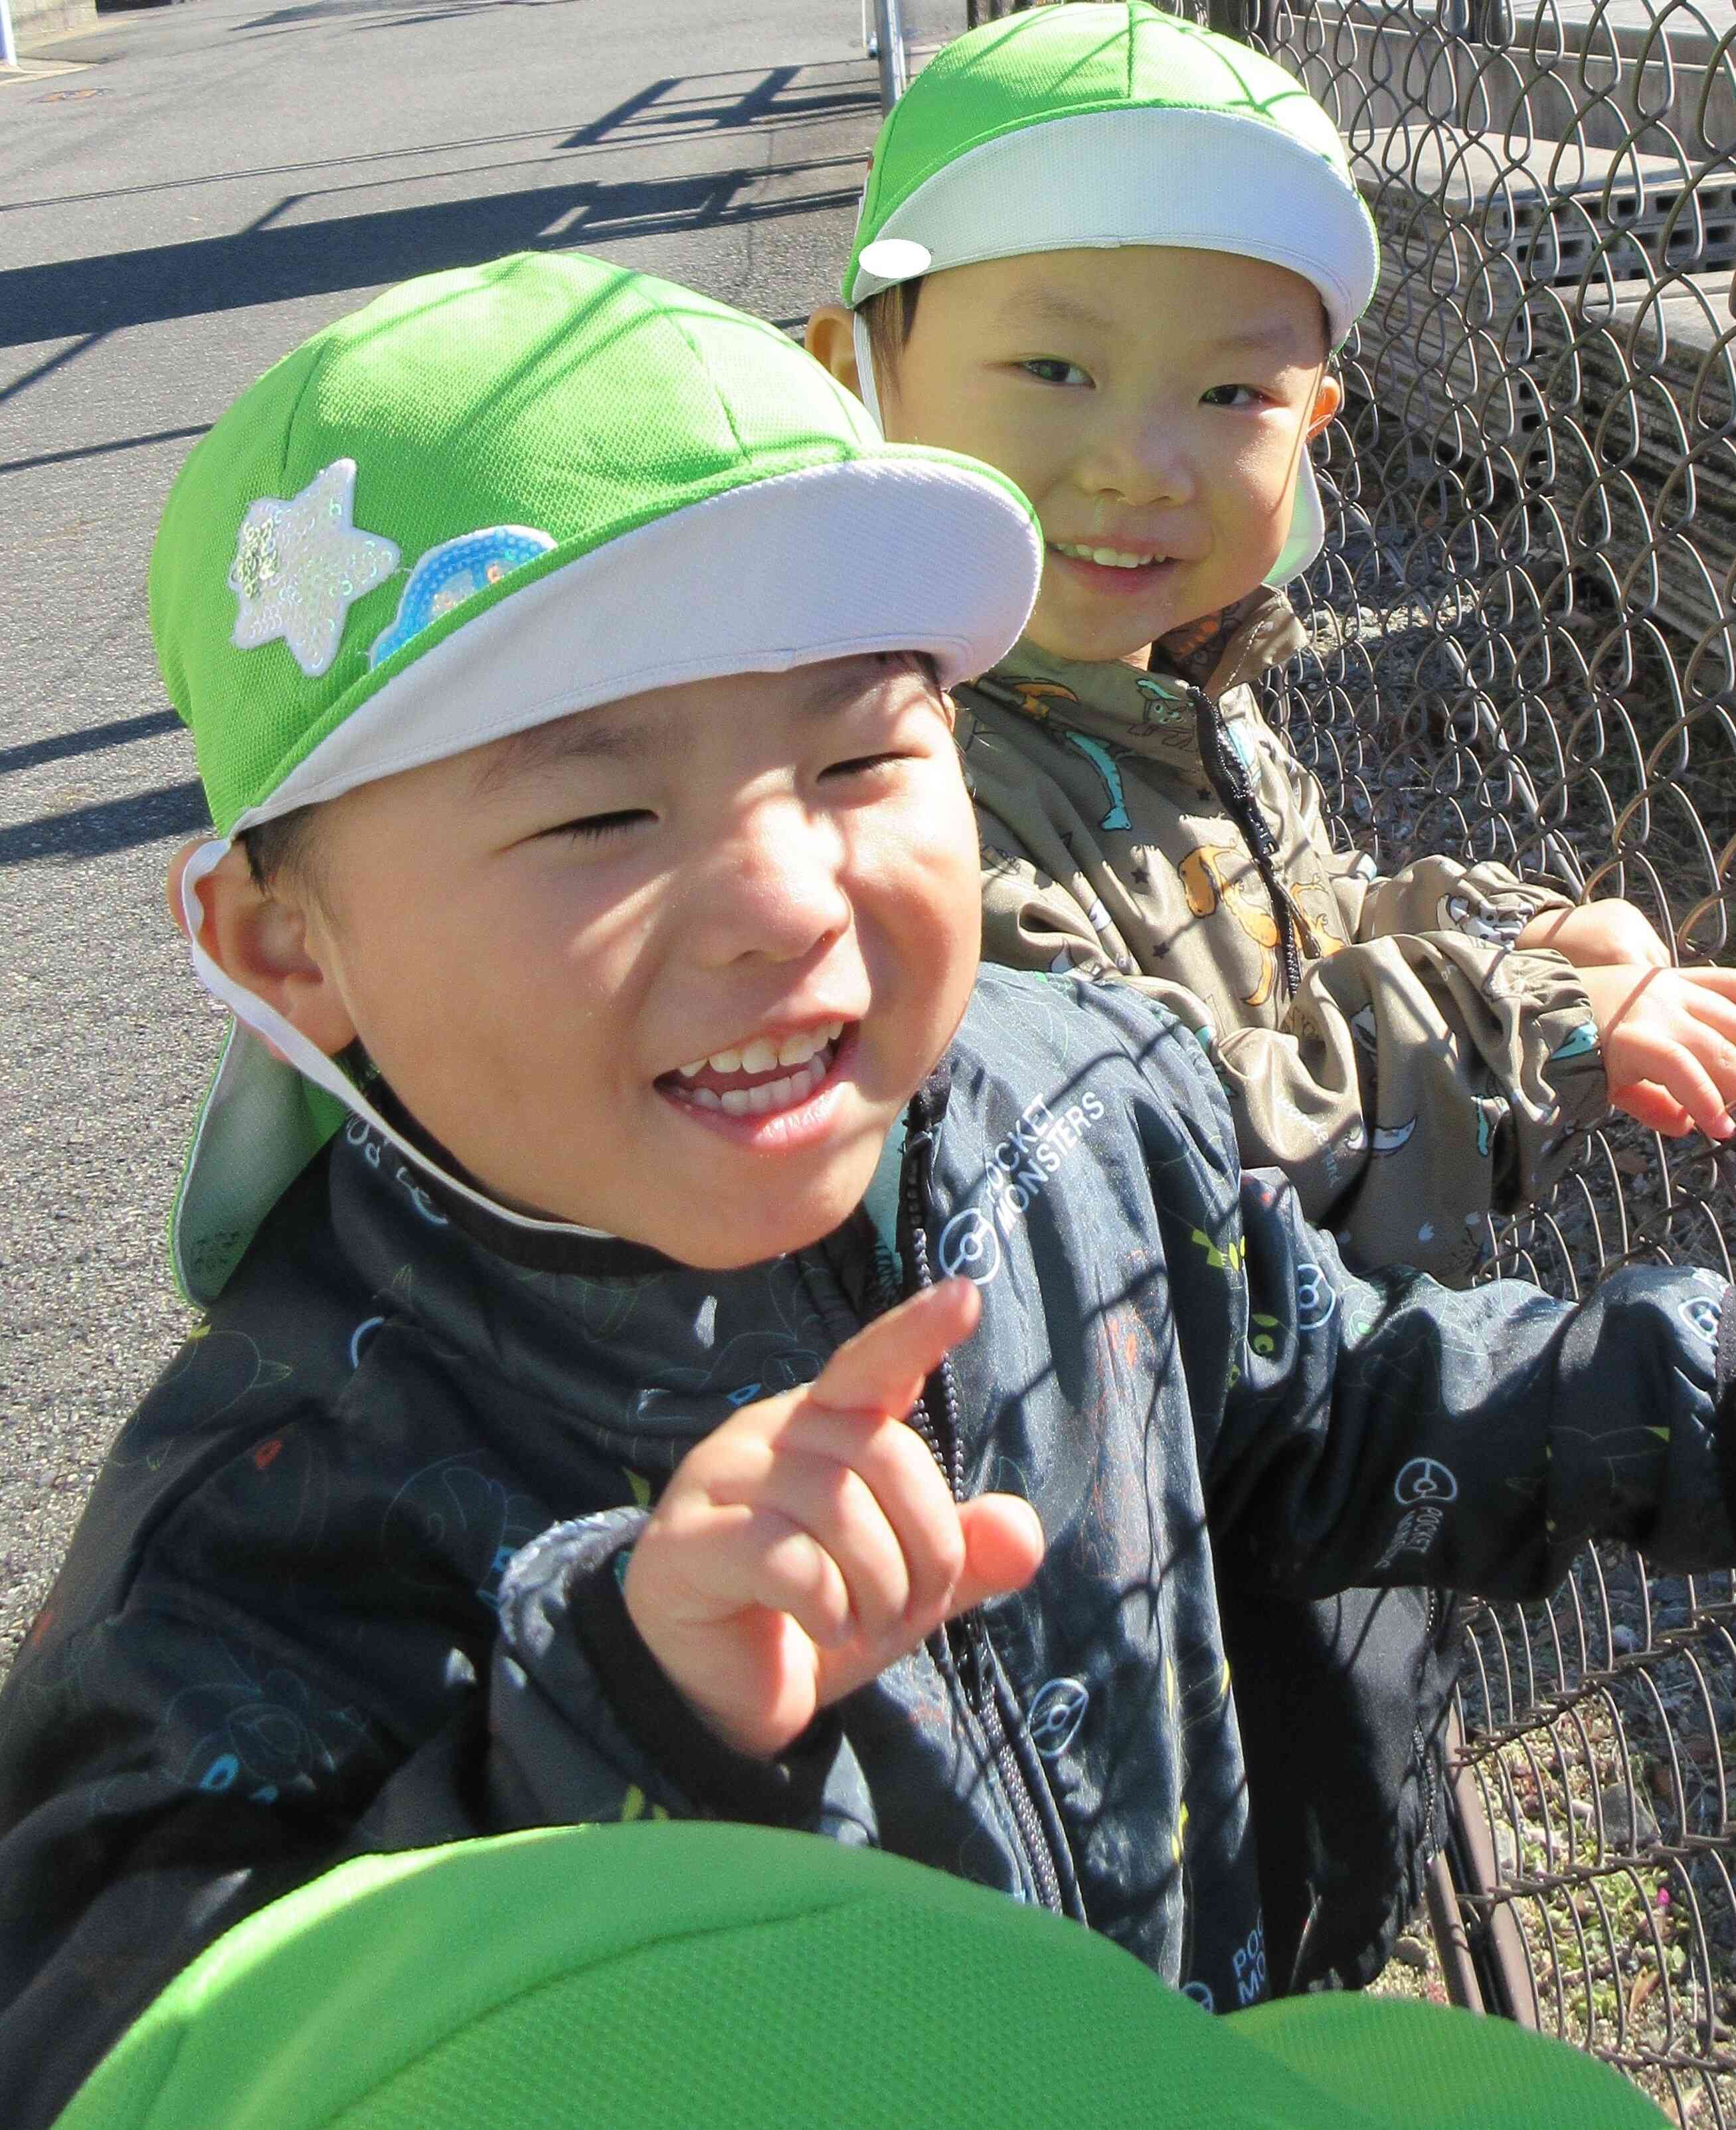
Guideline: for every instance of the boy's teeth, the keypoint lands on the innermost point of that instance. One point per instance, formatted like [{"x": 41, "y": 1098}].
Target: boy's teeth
[
  {"x": 1114, "y": 558},
  {"x": 771, "y": 1094},
  {"x": 761, "y": 1054},
  {"x": 798, "y": 1050}
]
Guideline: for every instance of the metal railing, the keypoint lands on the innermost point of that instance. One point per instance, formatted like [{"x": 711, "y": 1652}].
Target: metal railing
[{"x": 1524, "y": 648}]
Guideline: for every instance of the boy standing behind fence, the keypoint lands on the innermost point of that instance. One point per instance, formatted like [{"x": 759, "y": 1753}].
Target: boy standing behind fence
[{"x": 1111, "y": 254}]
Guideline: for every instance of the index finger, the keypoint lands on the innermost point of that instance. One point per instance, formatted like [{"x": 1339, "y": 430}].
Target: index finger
[{"x": 880, "y": 1372}]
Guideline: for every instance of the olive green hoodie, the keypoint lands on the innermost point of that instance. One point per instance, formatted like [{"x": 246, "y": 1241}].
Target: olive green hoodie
[{"x": 1418, "y": 1075}]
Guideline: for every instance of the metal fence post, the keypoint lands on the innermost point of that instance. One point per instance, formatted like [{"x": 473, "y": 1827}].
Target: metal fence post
[{"x": 889, "y": 32}]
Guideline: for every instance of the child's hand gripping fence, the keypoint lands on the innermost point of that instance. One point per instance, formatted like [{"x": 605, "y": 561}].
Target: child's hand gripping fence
[{"x": 1524, "y": 648}]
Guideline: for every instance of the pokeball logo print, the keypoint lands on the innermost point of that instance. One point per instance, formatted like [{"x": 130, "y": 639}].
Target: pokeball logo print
[
  {"x": 1702, "y": 1317},
  {"x": 1316, "y": 1298},
  {"x": 969, "y": 1245},
  {"x": 1056, "y": 1715},
  {"x": 1424, "y": 1480}
]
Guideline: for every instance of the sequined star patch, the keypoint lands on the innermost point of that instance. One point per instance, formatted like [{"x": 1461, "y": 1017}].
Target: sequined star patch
[{"x": 300, "y": 566}]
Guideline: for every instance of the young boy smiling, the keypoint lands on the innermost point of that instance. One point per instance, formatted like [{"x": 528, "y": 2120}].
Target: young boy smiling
[
  {"x": 1112, "y": 255},
  {"x": 561, "y": 651}
]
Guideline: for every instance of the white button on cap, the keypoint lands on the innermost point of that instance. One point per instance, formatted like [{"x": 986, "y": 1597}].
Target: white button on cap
[{"x": 895, "y": 259}]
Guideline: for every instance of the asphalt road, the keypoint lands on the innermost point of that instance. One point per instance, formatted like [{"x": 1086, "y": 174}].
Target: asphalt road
[{"x": 219, "y": 180}]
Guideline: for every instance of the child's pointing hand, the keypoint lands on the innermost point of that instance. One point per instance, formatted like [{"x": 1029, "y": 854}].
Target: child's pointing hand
[{"x": 812, "y": 1539}]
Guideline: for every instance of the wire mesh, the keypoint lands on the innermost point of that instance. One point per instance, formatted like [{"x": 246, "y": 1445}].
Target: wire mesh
[{"x": 1524, "y": 648}]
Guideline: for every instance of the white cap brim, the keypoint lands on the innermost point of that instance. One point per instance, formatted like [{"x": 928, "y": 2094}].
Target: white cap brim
[
  {"x": 1111, "y": 178},
  {"x": 910, "y": 552}
]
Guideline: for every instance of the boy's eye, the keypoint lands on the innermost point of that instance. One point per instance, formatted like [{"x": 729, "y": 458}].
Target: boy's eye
[
  {"x": 1051, "y": 369},
  {"x": 1233, "y": 395},
  {"x": 861, "y": 765},
  {"x": 592, "y": 828}
]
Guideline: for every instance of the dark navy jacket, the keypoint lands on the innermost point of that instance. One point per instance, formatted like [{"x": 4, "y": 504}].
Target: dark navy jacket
[{"x": 349, "y": 1580}]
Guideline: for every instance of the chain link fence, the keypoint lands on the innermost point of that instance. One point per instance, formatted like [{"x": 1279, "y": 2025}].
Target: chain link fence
[{"x": 1524, "y": 648}]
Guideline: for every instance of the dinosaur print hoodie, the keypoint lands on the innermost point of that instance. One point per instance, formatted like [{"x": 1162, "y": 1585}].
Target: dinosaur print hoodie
[{"x": 1408, "y": 1072}]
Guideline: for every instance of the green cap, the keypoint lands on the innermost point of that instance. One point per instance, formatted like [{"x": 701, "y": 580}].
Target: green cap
[
  {"x": 1086, "y": 127},
  {"x": 1091, "y": 126},
  {"x": 497, "y": 496},
  {"x": 657, "y": 1976},
  {"x": 492, "y": 498}
]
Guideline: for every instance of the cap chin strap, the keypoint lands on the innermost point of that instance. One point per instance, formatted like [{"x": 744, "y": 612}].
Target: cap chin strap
[
  {"x": 865, "y": 369},
  {"x": 303, "y": 1057}
]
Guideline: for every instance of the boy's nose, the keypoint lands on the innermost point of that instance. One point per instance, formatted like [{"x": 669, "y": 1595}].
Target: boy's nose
[
  {"x": 775, "y": 891},
  {"x": 1142, "y": 462}
]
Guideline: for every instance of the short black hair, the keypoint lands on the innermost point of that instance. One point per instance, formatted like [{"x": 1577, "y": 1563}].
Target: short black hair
[
  {"x": 890, "y": 317},
  {"x": 286, "y": 850}
]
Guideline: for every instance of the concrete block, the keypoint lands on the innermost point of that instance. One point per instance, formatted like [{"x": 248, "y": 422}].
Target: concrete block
[{"x": 35, "y": 22}]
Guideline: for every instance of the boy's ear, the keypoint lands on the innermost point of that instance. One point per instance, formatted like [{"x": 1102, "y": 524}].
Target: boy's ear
[
  {"x": 831, "y": 340},
  {"x": 265, "y": 944},
  {"x": 1329, "y": 398}
]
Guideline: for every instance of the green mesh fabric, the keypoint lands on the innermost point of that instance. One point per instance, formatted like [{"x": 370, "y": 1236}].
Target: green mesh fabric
[
  {"x": 652, "y": 1976},
  {"x": 1058, "y": 63},
  {"x": 561, "y": 393},
  {"x": 1447, "y": 2070}
]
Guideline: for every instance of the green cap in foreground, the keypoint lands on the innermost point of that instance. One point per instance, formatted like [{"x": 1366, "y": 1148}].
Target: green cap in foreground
[
  {"x": 663, "y": 1976},
  {"x": 498, "y": 496},
  {"x": 492, "y": 498}
]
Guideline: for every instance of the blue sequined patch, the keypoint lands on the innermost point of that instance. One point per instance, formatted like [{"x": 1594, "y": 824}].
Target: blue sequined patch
[{"x": 453, "y": 572}]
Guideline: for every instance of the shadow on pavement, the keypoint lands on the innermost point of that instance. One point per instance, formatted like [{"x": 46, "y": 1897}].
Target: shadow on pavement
[
  {"x": 117, "y": 824},
  {"x": 101, "y": 451},
  {"x": 86, "y": 297},
  {"x": 121, "y": 732}
]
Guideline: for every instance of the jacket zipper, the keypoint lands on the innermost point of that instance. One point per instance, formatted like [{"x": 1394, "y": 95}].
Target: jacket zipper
[
  {"x": 1230, "y": 779},
  {"x": 1424, "y": 1759},
  {"x": 934, "y": 1418}
]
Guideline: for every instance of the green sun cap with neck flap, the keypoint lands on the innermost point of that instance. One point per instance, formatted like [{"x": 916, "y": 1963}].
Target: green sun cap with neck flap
[
  {"x": 1088, "y": 126},
  {"x": 493, "y": 498},
  {"x": 1091, "y": 126},
  {"x": 497, "y": 496}
]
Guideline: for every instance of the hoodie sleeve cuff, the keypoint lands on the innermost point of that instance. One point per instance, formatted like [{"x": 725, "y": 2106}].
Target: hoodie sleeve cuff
[{"x": 785, "y": 1792}]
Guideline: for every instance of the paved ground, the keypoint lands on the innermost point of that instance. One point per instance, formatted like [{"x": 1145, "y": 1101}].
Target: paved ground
[{"x": 221, "y": 179}]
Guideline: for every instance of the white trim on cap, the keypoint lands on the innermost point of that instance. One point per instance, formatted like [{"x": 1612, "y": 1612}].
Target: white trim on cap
[
  {"x": 882, "y": 554},
  {"x": 1211, "y": 182},
  {"x": 867, "y": 386}
]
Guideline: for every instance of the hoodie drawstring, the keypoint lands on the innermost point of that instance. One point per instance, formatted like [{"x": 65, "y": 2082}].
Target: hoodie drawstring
[{"x": 1228, "y": 775}]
